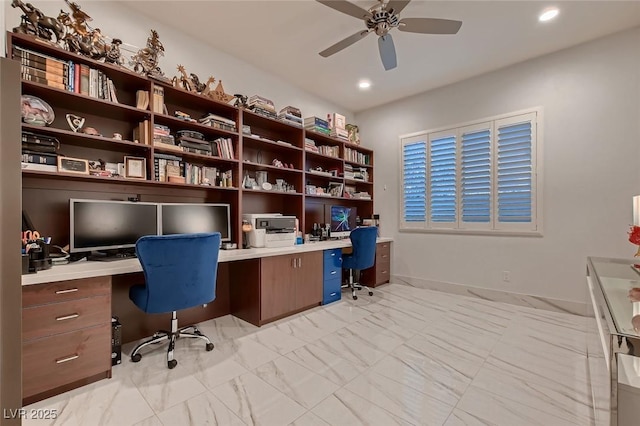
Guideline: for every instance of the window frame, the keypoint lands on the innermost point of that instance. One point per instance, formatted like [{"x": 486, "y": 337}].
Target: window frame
[{"x": 493, "y": 227}]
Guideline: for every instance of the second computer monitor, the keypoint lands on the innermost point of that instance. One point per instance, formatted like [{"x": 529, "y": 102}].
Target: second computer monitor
[{"x": 195, "y": 218}]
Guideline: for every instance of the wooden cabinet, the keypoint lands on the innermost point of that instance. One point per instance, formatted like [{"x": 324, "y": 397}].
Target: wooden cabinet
[
  {"x": 66, "y": 336},
  {"x": 380, "y": 273},
  {"x": 289, "y": 283}
]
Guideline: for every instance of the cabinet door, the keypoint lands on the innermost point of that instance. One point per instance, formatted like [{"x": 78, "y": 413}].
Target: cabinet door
[
  {"x": 309, "y": 279},
  {"x": 277, "y": 286}
]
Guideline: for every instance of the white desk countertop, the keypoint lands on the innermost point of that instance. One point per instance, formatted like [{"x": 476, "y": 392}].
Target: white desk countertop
[{"x": 87, "y": 269}]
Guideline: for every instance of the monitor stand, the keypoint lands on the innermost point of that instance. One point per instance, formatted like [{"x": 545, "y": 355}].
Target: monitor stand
[{"x": 111, "y": 255}]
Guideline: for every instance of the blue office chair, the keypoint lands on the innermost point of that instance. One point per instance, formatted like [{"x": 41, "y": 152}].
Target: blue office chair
[
  {"x": 363, "y": 241},
  {"x": 180, "y": 272}
]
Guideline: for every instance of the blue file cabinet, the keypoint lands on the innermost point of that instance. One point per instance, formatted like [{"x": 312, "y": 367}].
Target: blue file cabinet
[{"x": 332, "y": 275}]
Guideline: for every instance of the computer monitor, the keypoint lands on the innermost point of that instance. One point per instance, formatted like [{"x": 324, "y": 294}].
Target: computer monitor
[
  {"x": 343, "y": 221},
  {"x": 179, "y": 218},
  {"x": 109, "y": 225}
]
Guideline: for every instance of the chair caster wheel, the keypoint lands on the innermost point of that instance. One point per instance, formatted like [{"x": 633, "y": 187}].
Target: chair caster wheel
[
  {"x": 209, "y": 347},
  {"x": 172, "y": 364},
  {"x": 136, "y": 358},
  {"x": 370, "y": 293},
  {"x": 355, "y": 297}
]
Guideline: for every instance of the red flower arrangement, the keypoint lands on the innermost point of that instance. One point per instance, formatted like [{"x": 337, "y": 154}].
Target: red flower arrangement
[{"x": 634, "y": 235}]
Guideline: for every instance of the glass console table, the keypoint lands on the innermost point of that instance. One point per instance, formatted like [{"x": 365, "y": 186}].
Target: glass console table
[{"x": 613, "y": 340}]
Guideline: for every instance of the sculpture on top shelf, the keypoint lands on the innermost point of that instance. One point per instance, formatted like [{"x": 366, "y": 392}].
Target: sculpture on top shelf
[
  {"x": 146, "y": 60},
  {"x": 113, "y": 54},
  {"x": 218, "y": 93},
  {"x": 36, "y": 23},
  {"x": 79, "y": 37},
  {"x": 190, "y": 82},
  {"x": 241, "y": 101},
  {"x": 354, "y": 135}
]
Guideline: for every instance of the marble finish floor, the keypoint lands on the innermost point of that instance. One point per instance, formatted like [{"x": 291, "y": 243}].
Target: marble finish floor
[{"x": 406, "y": 356}]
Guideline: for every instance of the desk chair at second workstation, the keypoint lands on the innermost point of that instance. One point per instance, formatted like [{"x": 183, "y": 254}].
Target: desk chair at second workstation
[
  {"x": 363, "y": 242},
  {"x": 180, "y": 272}
]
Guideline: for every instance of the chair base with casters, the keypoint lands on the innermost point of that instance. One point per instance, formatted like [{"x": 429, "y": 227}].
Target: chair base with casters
[
  {"x": 355, "y": 285},
  {"x": 171, "y": 337}
]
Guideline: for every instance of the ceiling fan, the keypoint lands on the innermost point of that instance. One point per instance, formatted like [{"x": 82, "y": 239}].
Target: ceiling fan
[{"x": 382, "y": 18}]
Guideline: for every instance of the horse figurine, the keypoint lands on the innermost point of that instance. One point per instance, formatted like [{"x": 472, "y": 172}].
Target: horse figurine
[
  {"x": 36, "y": 23},
  {"x": 145, "y": 61}
]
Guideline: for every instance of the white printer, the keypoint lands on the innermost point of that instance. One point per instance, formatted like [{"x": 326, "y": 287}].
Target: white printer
[{"x": 271, "y": 230}]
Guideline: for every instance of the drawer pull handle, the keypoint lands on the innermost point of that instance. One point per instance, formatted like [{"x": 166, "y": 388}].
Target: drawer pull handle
[
  {"x": 67, "y": 317},
  {"x": 333, "y": 254},
  {"x": 71, "y": 290},
  {"x": 333, "y": 294},
  {"x": 67, "y": 359},
  {"x": 384, "y": 255},
  {"x": 384, "y": 272},
  {"x": 333, "y": 272}
]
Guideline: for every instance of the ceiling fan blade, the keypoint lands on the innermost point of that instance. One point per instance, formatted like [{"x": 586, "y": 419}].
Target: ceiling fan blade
[
  {"x": 346, "y": 7},
  {"x": 387, "y": 52},
  {"x": 429, "y": 26},
  {"x": 397, "y": 5},
  {"x": 344, "y": 43}
]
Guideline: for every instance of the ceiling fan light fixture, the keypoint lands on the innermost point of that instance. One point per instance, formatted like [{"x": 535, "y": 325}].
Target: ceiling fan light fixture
[
  {"x": 364, "y": 84},
  {"x": 548, "y": 14}
]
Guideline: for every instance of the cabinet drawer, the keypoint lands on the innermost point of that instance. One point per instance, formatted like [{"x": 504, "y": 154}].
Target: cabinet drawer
[
  {"x": 331, "y": 291},
  {"x": 383, "y": 258},
  {"x": 383, "y": 248},
  {"x": 332, "y": 272},
  {"x": 40, "y": 294},
  {"x": 333, "y": 256},
  {"x": 65, "y": 358},
  {"x": 55, "y": 318},
  {"x": 383, "y": 273}
]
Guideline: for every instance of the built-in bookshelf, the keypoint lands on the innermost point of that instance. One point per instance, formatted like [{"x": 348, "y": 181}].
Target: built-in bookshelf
[{"x": 238, "y": 148}]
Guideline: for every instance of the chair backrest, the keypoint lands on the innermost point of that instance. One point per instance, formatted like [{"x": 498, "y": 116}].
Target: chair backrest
[
  {"x": 180, "y": 270},
  {"x": 363, "y": 241}
]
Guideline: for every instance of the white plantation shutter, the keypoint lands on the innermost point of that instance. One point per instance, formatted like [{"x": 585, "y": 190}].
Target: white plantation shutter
[
  {"x": 476, "y": 177},
  {"x": 442, "y": 180},
  {"x": 515, "y": 173},
  {"x": 414, "y": 166},
  {"x": 481, "y": 177}
]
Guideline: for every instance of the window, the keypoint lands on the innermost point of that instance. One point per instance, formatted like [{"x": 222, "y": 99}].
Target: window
[{"x": 479, "y": 177}]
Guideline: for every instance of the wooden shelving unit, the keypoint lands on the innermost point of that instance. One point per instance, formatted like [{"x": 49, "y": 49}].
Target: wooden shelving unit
[{"x": 46, "y": 194}]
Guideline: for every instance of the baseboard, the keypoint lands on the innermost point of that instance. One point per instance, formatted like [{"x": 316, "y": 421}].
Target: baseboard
[{"x": 538, "y": 302}]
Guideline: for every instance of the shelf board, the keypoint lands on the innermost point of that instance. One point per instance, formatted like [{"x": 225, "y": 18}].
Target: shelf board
[
  {"x": 174, "y": 121},
  {"x": 82, "y": 139},
  {"x": 254, "y": 139},
  {"x": 353, "y": 163},
  {"x": 258, "y": 120},
  {"x": 194, "y": 156},
  {"x": 263, "y": 192},
  {"x": 309, "y": 175},
  {"x": 356, "y": 181},
  {"x": 323, "y": 156},
  {"x": 259, "y": 166},
  {"x": 78, "y": 102},
  {"x": 325, "y": 139},
  {"x": 117, "y": 180},
  {"x": 359, "y": 148}
]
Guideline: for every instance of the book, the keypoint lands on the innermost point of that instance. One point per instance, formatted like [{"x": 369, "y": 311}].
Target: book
[
  {"x": 76, "y": 78},
  {"x": 39, "y": 167},
  {"x": 84, "y": 79},
  {"x": 142, "y": 99},
  {"x": 39, "y": 158},
  {"x": 158, "y": 99},
  {"x": 49, "y": 74},
  {"x": 35, "y": 79},
  {"x": 316, "y": 122}
]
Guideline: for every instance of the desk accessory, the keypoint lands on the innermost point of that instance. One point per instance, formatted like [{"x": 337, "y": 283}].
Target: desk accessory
[
  {"x": 36, "y": 111},
  {"x": 135, "y": 167},
  {"x": 77, "y": 166}
]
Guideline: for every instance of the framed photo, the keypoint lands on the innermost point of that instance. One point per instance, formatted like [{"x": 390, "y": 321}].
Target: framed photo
[
  {"x": 135, "y": 167},
  {"x": 77, "y": 166}
]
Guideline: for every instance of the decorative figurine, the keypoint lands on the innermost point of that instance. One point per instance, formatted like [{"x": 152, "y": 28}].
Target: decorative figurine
[
  {"x": 146, "y": 60},
  {"x": 216, "y": 94},
  {"x": 75, "y": 122},
  {"x": 79, "y": 37},
  {"x": 207, "y": 86},
  {"x": 354, "y": 136},
  {"x": 35, "y": 23},
  {"x": 190, "y": 82},
  {"x": 241, "y": 101},
  {"x": 113, "y": 54}
]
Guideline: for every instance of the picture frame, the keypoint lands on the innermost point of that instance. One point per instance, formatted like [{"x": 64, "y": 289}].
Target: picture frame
[
  {"x": 78, "y": 166},
  {"x": 135, "y": 167}
]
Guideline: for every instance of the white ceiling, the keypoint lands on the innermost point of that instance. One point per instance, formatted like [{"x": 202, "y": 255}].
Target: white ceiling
[{"x": 284, "y": 38}]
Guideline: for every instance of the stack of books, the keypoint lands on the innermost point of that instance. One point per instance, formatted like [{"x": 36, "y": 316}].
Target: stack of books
[
  {"x": 291, "y": 115},
  {"x": 39, "y": 152},
  {"x": 194, "y": 145},
  {"x": 218, "y": 122},
  {"x": 338, "y": 124},
  {"x": 310, "y": 145},
  {"x": 317, "y": 125},
  {"x": 262, "y": 106}
]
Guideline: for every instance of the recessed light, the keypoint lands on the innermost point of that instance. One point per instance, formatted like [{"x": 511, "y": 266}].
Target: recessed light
[
  {"x": 548, "y": 14},
  {"x": 364, "y": 84}
]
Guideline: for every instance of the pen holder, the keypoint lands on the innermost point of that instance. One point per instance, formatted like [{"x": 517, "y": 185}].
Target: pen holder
[{"x": 39, "y": 257}]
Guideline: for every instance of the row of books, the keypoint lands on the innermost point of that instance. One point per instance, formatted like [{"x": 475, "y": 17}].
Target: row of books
[
  {"x": 167, "y": 165},
  {"x": 355, "y": 174},
  {"x": 356, "y": 156},
  {"x": 65, "y": 75},
  {"x": 218, "y": 122}
]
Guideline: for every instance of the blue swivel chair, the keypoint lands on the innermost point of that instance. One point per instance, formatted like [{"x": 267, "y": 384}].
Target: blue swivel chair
[
  {"x": 180, "y": 272},
  {"x": 363, "y": 241}
]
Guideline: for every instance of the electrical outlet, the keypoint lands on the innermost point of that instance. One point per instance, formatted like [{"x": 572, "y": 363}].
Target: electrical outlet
[{"x": 506, "y": 276}]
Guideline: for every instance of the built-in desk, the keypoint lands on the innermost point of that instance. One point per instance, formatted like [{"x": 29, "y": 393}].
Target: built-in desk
[{"x": 67, "y": 309}]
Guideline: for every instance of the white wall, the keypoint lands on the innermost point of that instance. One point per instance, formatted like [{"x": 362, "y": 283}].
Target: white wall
[
  {"x": 116, "y": 20},
  {"x": 591, "y": 100}
]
